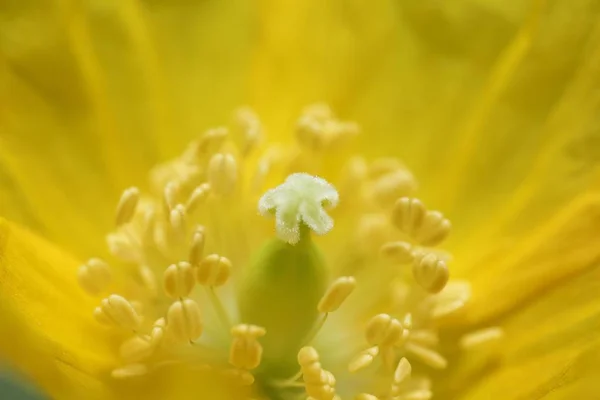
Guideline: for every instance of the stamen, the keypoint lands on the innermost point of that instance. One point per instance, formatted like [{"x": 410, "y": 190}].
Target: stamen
[
  {"x": 246, "y": 351},
  {"x": 158, "y": 332},
  {"x": 179, "y": 280},
  {"x": 127, "y": 205},
  {"x": 94, "y": 276},
  {"x": 383, "y": 330},
  {"x": 319, "y": 383},
  {"x": 389, "y": 187},
  {"x": 170, "y": 196},
  {"x": 301, "y": 199},
  {"x": 337, "y": 293},
  {"x": 184, "y": 320},
  {"x": 197, "y": 247},
  {"x": 480, "y": 337},
  {"x": 211, "y": 142},
  {"x": 364, "y": 359},
  {"x": 428, "y": 356},
  {"x": 247, "y": 125},
  {"x": 213, "y": 270},
  {"x": 243, "y": 377},
  {"x": 427, "y": 228},
  {"x": 197, "y": 197},
  {"x": 117, "y": 311},
  {"x": 431, "y": 273},
  {"x": 416, "y": 395},
  {"x": 130, "y": 371},
  {"x": 366, "y": 396},
  {"x": 148, "y": 280},
  {"x": 222, "y": 174},
  {"x": 398, "y": 252},
  {"x": 177, "y": 220},
  {"x": 136, "y": 349},
  {"x": 402, "y": 372}
]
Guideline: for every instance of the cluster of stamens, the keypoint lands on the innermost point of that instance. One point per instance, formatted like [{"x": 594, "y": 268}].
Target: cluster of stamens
[{"x": 166, "y": 234}]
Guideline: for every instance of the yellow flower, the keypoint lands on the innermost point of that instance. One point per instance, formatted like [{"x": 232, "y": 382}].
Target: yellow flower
[{"x": 407, "y": 208}]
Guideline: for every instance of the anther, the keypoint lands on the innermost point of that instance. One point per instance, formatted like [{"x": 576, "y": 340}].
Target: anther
[
  {"x": 148, "y": 279},
  {"x": 480, "y": 337},
  {"x": 170, "y": 196},
  {"x": 397, "y": 252},
  {"x": 434, "y": 229},
  {"x": 130, "y": 371},
  {"x": 197, "y": 197},
  {"x": 184, "y": 320},
  {"x": 384, "y": 330},
  {"x": 249, "y": 129},
  {"x": 179, "y": 280},
  {"x": 363, "y": 359},
  {"x": 213, "y": 270},
  {"x": 402, "y": 371},
  {"x": 211, "y": 141},
  {"x": 127, "y": 205},
  {"x": 337, "y": 293},
  {"x": 428, "y": 356},
  {"x": 246, "y": 351},
  {"x": 94, "y": 276},
  {"x": 116, "y": 310},
  {"x": 122, "y": 247},
  {"x": 420, "y": 394},
  {"x": 158, "y": 331},
  {"x": 431, "y": 273},
  {"x": 197, "y": 246},
  {"x": 177, "y": 220},
  {"x": 393, "y": 185},
  {"x": 222, "y": 174},
  {"x": 136, "y": 349},
  {"x": 408, "y": 215},
  {"x": 243, "y": 377},
  {"x": 365, "y": 396}
]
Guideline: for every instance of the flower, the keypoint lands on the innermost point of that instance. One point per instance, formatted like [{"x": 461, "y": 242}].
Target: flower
[{"x": 479, "y": 281}]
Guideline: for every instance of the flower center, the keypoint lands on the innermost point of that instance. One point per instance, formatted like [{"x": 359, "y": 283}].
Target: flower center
[{"x": 200, "y": 278}]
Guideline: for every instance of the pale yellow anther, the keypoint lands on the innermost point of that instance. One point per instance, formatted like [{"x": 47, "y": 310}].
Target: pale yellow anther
[
  {"x": 222, "y": 174},
  {"x": 246, "y": 351},
  {"x": 94, "y": 276},
  {"x": 170, "y": 193},
  {"x": 242, "y": 377},
  {"x": 197, "y": 246},
  {"x": 403, "y": 371},
  {"x": 127, "y": 205},
  {"x": 136, "y": 349},
  {"x": 426, "y": 355},
  {"x": 130, "y": 371},
  {"x": 148, "y": 227},
  {"x": 431, "y": 273},
  {"x": 213, "y": 270},
  {"x": 389, "y": 187},
  {"x": 122, "y": 247},
  {"x": 424, "y": 337},
  {"x": 248, "y": 127},
  {"x": 177, "y": 219},
  {"x": 480, "y": 337},
  {"x": 211, "y": 141},
  {"x": 197, "y": 197},
  {"x": 407, "y": 321},
  {"x": 365, "y": 396},
  {"x": 408, "y": 215},
  {"x": 310, "y": 133},
  {"x": 116, "y": 310},
  {"x": 307, "y": 356},
  {"x": 157, "y": 334},
  {"x": 337, "y": 293},
  {"x": 384, "y": 330},
  {"x": 421, "y": 394},
  {"x": 184, "y": 320},
  {"x": 178, "y": 280},
  {"x": 363, "y": 359},
  {"x": 434, "y": 229},
  {"x": 148, "y": 279},
  {"x": 398, "y": 252}
]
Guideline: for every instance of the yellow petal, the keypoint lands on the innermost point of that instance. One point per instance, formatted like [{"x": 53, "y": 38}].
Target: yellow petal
[
  {"x": 48, "y": 331},
  {"x": 551, "y": 348},
  {"x": 521, "y": 269}
]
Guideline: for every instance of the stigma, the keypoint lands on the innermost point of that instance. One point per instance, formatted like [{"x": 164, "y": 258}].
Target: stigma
[{"x": 231, "y": 262}]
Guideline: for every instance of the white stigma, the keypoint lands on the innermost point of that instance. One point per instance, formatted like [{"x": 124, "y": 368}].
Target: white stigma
[{"x": 301, "y": 199}]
